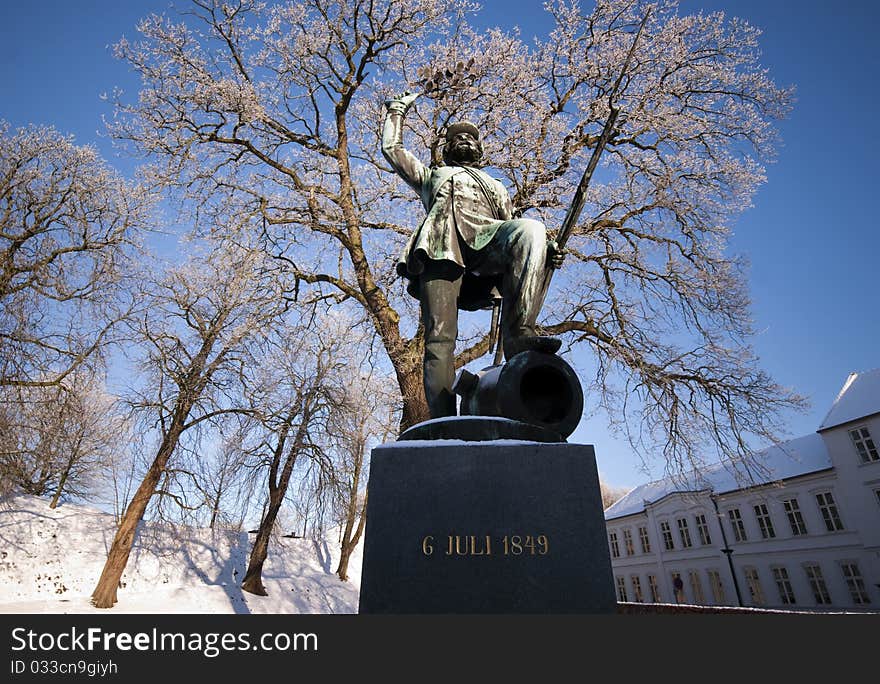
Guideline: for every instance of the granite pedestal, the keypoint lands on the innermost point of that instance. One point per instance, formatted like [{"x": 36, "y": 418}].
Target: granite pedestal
[{"x": 500, "y": 526}]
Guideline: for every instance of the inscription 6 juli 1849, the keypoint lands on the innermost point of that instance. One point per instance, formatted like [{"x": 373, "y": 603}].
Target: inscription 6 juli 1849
[{"x": 487, "y": 545}]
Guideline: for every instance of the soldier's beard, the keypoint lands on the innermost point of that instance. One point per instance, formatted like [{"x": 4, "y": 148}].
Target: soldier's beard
[{"x": 464, "y": 154}]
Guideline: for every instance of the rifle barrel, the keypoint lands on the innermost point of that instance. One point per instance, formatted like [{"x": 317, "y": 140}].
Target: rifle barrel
[{"x": 580, "y": 194}]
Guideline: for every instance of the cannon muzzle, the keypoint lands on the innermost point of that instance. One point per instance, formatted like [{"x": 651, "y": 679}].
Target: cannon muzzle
[{"x": 533, "y": 387}]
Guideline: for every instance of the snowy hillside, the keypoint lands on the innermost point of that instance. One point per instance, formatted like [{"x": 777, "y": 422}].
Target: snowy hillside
[{"x": 50, "y": 561}]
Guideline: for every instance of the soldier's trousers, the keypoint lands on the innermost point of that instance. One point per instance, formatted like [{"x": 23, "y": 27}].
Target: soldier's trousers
[{"x": 517, "y": 252}]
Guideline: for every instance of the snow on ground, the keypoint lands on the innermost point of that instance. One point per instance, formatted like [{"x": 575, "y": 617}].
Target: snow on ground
[{"x": 50, "y": 561}]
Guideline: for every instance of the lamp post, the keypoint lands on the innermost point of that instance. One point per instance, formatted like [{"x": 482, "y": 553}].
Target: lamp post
[{"x": 727, "y": 551}]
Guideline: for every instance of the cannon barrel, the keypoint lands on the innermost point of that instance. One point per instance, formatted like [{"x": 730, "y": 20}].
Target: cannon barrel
[{"x": 533, "y": 387}]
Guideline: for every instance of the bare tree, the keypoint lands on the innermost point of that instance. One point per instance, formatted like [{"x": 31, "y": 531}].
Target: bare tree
[
  {"x": 69, "y": 226},
  {"x": 59, "y": 440},
  {"x": 122, "y": 471},
  {"x": 25, "y": 463},
  {"x": 367, "y": 417},
  {"x": 302, "y": 383},
  {"x": 275, "y": 111},
  {"x": 611, "y": 494},
  {"x": 91, "y": 433},
  {"x": 196, "y": 337},
  {"x": 227, "y": 484}
]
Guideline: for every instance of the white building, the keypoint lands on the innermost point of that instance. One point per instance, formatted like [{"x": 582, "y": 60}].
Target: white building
[{"x": 806, "y": 538}]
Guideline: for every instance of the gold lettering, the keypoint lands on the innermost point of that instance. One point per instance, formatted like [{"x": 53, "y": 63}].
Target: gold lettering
[
  {"x": 481, "y": 545},
  {"x": 516, "y": 545},
  {"x": 544, "y": 544}
]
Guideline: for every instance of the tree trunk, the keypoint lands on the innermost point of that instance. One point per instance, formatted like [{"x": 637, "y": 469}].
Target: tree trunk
[
  {"x": 349, "y": 543},
  {"x": 215, "y": 510},
  {"x": 104, "y": 595},
  {"x": 61, "y": 483},
  {"x": 253, "y": 578},
  {"x": 345, "y": 549},
  {"x": 412, "y": 390}
]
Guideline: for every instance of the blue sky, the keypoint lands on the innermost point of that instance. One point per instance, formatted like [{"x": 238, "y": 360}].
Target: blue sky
[{"x": 812, "y": 237}]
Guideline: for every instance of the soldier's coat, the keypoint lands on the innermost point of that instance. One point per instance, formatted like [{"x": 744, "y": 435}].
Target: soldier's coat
[{"x": 460, "y": 209}]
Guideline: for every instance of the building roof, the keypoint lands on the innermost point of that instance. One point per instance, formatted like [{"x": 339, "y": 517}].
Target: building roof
[
  {"x": 859, "y": 397},
  {"x": 799, "y": 456}
]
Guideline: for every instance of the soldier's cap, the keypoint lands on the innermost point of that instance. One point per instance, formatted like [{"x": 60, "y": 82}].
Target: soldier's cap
[{"x": 462, "y": 127}]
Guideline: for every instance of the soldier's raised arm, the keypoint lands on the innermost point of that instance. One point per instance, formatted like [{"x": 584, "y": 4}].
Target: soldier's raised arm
[{"x": 402, "y": 160}]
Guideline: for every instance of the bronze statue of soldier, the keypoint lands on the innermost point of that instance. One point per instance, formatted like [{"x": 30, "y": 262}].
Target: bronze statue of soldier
[{"x": 469, "y": 244}]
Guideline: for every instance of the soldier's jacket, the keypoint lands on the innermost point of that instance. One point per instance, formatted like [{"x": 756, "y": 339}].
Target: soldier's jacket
[{"x": 462, "y": 204}]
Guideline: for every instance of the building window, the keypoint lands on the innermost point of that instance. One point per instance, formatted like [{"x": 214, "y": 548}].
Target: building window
[
  {"x": 703, "y": 530},
  {"x": 628, "y": 542},
  {"x": 864, "y": 444},
  {"x": 615, "y": 549},
  {"x": 855, "y": 583},
  {"x": 655, "y": 590},
  {"x": 736, "y": 522},
  {"x": 717, "y": 587},
  {"x": 764, "y": 522},
  {"x": 877, "y": 494},
  {"x": 684, "y": 533},
  {"x": 667, "y": 536},
  {"x": 795, "y": 519},
  {"x": 829, "y": 511},
  {"x": 786, "y": 593},
  {"x": 637, "y": 589},
  {"x": 621, "y": 589},
  {"x": 754, "y": 584},
  {"x": 643, "y": 538},
  {"x": 696, "y": 587},
  {"x": 817, "y": 584}
]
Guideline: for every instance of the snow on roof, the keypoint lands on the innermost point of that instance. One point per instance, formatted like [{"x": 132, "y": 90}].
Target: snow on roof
[
  {"x": 795, "y": 457},
  {"x": 859, "y": 397}
]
